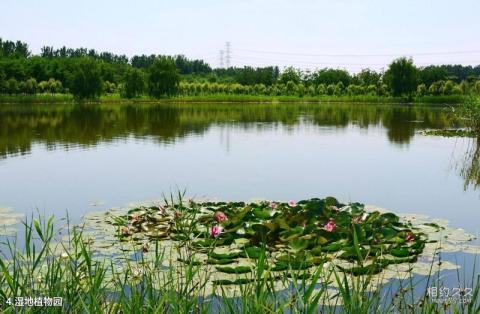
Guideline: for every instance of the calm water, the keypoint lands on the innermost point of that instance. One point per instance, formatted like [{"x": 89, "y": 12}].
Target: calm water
[{"x": 59, "y": 158}]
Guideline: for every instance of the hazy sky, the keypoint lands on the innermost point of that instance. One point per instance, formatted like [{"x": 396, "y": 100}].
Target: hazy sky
[{"x": 350, "y": 34}]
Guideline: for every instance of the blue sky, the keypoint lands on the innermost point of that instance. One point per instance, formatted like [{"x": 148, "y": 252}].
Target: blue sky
[{"x": 304, "y": 33}]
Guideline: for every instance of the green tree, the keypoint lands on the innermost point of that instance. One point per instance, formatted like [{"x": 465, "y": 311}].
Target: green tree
[
  {"x": 432, "y": 73},
  {"x": 401, "y": 77},
  {"x": 353, "y": 89},
  {"x": 421, "y": 90},
  {"x": 289, "y": 75},
  {"x": 477, "y": 87},
  {"x": 31, "y": 86},
  {"x": 465, "y": 87},
  {"x": 2, "y": 81},
  {"x": 86, "y": 82},
  {"x": 134, "y": 83},
  {"x": 339, "y": 87},
  {"x": 259, "y": 89},
  {"x": 164, "y": 78},
  {"x": 109, "y": 87},
  {"x": 54, "y": 86},
  {"x": 12, "y": 86},
  {"x": 456, "y": 90},
  {"x": 291, "y": 88},
  {"x": 321, "y": 89},
  {"x": 368, "y": 77},
  {"x": 448, "y": 87},
  {"x": 383, "y": 90},
  {"x": 436, "y": 88},
  {"x": 301, "y": 90},
  {"x": 372, "y": 89},
  {"x": 22, "y": 88},
  {"x": 331, "y": 89},
  {"x": 331, "y": 76},
  {"x": 43, "y": 86}
]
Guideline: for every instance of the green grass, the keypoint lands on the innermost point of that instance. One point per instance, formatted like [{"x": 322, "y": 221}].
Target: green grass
[
  {"x": 145, "y": 285},
  {"x": 39, "y": 98},
  {"x": 116, "y": 98}
]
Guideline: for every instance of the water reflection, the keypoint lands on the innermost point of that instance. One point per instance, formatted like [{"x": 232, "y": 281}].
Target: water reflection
[{"x": 88, "y": 125}]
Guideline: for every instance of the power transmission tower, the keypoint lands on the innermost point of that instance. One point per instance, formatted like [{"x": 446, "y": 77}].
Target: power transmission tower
[
  {"x": 221, "y": 57},
  {"x": 228, "y": 52}
]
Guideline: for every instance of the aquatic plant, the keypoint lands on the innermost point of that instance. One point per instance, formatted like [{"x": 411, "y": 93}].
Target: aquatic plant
[
  {"x": 295, "y": 235},
  {"x": 65, "y": 263}
]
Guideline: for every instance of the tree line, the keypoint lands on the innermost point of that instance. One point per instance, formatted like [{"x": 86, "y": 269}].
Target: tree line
[{"x": 87, "y": 74}]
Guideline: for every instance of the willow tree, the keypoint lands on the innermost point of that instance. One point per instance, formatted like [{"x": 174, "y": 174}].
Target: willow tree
[
  {"x": 401, "y": 77},
  {"x": 86, "y": 82},
  {"x": 164, "y": 77},
  {"x": 134, "y": 83},
  {"x": 31, "y": 86},
  {"x": 290, "y": 74}
]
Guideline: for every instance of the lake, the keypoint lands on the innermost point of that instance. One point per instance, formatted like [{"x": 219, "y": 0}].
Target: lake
[{"x": 79, "y": 158}]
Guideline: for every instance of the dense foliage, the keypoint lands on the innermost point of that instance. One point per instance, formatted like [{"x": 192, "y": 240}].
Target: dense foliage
[
  {"x": 86, "y": 79},
  {"x": 63, "y": 71},
  {"x": 94, "y": 276},
  {"x": 163, "y": 77},
  {"x": 402, "y": 77},
  {"x": 296, "y": 235}
]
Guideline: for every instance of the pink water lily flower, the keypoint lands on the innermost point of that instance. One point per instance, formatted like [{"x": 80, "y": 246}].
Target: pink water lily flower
[
  {"x": 410, "y": 237},
  {"x": 215, "y": 231},
  {"x": 330, "y": 225},
  {"x": 292, "y": 203},
  {"x": 219, "y": 217},
  {"x": 125, "y": 230},
  {"x": 273, "y": 205}
]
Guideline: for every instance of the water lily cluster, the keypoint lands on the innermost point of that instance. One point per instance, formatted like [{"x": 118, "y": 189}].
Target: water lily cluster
[{"x": 291, "y": 235}]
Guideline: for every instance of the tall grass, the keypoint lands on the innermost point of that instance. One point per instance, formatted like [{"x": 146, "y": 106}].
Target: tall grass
[
  {"x": 45, "y": 267},
  {"x": 116, "y": 98},
  {"x": 470, "y": 112},
  {"x": 36, "y": 99}
]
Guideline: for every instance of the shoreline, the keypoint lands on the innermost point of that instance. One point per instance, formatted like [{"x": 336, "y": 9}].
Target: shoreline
[{"x": 116, "y": 99}]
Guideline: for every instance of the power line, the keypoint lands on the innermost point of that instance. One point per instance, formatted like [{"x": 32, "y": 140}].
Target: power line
[
  {"x": 267, "y": 60},
  {"x": 361, "y": 55}
]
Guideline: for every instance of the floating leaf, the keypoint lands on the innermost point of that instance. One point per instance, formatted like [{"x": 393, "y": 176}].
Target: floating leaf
[
  {"x": 252, "y": 252},
  {"x": 234, "y": 270}
]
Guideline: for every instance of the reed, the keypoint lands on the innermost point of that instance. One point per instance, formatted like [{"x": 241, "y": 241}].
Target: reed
[{"x": 41, "y": 266}]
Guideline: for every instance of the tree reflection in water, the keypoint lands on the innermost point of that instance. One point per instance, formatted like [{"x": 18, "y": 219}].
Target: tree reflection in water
[{"x": 67, "y": 126}]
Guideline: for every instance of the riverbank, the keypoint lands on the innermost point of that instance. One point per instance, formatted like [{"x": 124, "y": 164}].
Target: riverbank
[{"x": 219, "y": 98}]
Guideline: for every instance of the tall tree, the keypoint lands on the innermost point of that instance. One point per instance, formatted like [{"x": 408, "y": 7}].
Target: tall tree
[
  {"x": 401, "y": 77},
  {"x": 86, "y": 82},
  {"x": 368, "y": 77},
  {"x": 430, "y": 74},
  {"x": 163, "y": 77},
  {"x": 2, "y": 81},
  {"x": 331, "y": 76},
  {"x": 289, "y": 75},
  {"x": 134, "y": 83}
]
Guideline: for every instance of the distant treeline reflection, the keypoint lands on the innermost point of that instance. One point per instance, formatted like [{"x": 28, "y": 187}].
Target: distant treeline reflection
[{"x": 88, "y": 125}]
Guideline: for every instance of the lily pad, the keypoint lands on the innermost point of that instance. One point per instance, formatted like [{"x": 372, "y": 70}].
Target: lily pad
[{"x": 357, "y": 239}]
